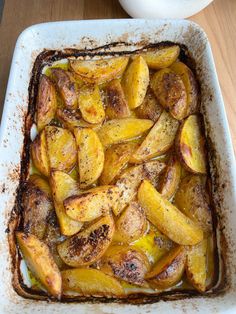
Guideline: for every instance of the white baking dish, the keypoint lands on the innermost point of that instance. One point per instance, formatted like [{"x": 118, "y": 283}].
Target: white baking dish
[{"x": 90, "y": 34}]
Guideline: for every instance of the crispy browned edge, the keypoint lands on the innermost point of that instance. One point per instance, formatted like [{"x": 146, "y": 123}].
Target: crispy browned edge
[{"x": 15, "y": 222}]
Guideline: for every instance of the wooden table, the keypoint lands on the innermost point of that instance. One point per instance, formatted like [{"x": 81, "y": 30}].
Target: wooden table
[{"x": 218, "y": 20}]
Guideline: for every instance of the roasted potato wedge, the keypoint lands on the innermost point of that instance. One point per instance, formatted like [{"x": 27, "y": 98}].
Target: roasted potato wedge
[
  {"x": 42, "y": 184},
  {"x": 121, "y": 130},
  {"x": 39, "y": 154},
  {"x": 196, "y": 265},
  {"x": 160, "y": 138},
  {"x": 161, "y": 58},
  {"x": 116, "y": 158},
  {"x": 167, "y": 218},
  {"x": 91, "y": 105},
  {"x": 61, "y": 148},
  {"x": 190, "y": 145},
  {"x": 64, "y": 186},
  {"x": 39, "y": 260},
  {"x": 46, "y": 102},
  {"x": 150, "y": 108},
  {"x": 169, "y": 269},
  {"x": 170, "y": 92},
  {"x": 131, "y": 225},
  {"x": 90, "y": 156},
  {"x": 89, "y": 245},
  {"x": 170, "y": 179},
  {"x": 99, "y": 71},
  {"x": 191, "y": 198},
  {"x": 66, "y": 87},
  {"x": 131, "y": 178},
  {"x": 126, "y": 263},
  {"x": 190, "y": 83},
  {"x": 116, "y": 104},
  {"x": 89, "y": 282},
  {"x": 92, "y": 203},
  {"x": 135, "y": 82}
]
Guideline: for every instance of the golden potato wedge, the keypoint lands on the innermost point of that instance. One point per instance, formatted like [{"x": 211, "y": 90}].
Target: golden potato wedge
[
  {"x": 92, "y": 203},
  {"x": 121, "y": 130},
  {"x": 130, "y": 179},
  {"x": 170, "y": 179},
  {"x": 37, "y": 208},
  {"x": 135, "y": 82},
  {"x": 169, "y": 269},
  {"x": 42, "y": 184},
  {"x": 56, "y": 64},
  {"x": 90, "y": 104},
  {"x": 161, "y": 58},
  {"x": 126, "y": 263},
  {"x": 46, "y": 102},
  {"x": 116, "y": 104},
  {"x": 40, "y": 262},
  {"x": 190, "y": 83},
  {"x": 87, "y": 246},
  {"x": 131, "y": 225},
  {"x": 116, "y": 158},
  {"x": 170, "y": 92},
  {"x": 190, "y": 145},
  {"x": 167, "y": 218},
  {"x": 39, "y": 153},
  {"x": 66, "y": 87},
  {"x": 61, "y": 148},
  {"x": 160, "y": 138},
  {"x": 150, "y": 108},
  {"x": 90, "y": 156},
  {"x": 191, "y": 198},
  {"x": 64, "y": 186},
  {"x": 99, "y": 71},
  {"x": 196, "y": 265},
  {"x": 90, "y": 282}
]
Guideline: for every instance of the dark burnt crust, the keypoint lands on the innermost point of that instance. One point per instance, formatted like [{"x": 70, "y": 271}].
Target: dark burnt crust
[{"x": 219, "y": 285}]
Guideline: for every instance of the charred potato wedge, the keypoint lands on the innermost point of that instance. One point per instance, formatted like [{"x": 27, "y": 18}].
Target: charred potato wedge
[
  {"x": 121, "y": 130},
  {"x": 160, "y": 138},
  {"x": 40, "y": 262},
  {"x": 135, "y": 82},
  {"x": 192, "y": 199},
  {"x": 167, "y": 218},
  {"x": 63, "y": 186},
  {"x": 90, "y": 156},
  {"x": 87, "y": 246},
  {"x": 61, "y": 148},
  {"x": 128, "y": 264},
  {"x": 190, "y": 145},
  {"x": 116, "y": 104},
  {"x": 91, "y": 105},
  {"x": 99, "y": 71},
  {"x": 42, "y": 184},
  {"x": 196, "y": 265},
  {"x": 87, "y": 282},
  {"x": 170, "y": 92},
  {"x": 92, "y": 203},
  {"x": 161, "y": 58},
  {"x": 168, "y": 270},
  {"x": 46, "y": 102}
]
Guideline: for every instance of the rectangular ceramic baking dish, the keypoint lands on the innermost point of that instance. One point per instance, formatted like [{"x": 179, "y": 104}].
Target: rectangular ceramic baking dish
[{"x": 137, "y": 33}]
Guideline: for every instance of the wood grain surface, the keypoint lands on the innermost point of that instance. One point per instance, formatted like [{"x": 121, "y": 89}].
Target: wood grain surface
[{"x": 218, "y": 20}]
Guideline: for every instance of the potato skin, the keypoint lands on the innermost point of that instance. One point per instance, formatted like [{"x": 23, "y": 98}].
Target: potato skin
[
  {"x": 46, "y": 102},
  {"x": 40, "y": 261},
  {"x": 87, "y": 246},
  {"x": 39, "y": 155},
  {"x": 42, "y": 184},
  {"x": 161, "y": 58}
]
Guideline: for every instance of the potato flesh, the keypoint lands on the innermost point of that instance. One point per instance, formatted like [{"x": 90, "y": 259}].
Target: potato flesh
[
  {"x": 121, "y": 130},
  {"x": 40, "y": 262},
  {"x": 87, "y": 246},
  {"x": 90, "y": 156},
  {"x": 167, "y": 218},
  {"x": 135, "y": 82},
  {"x": 161, "y": 58},
  {"x": 90, "y": 282},
  {"x": 160, "y": 138},
  {"x": 39, "y": 154}
]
